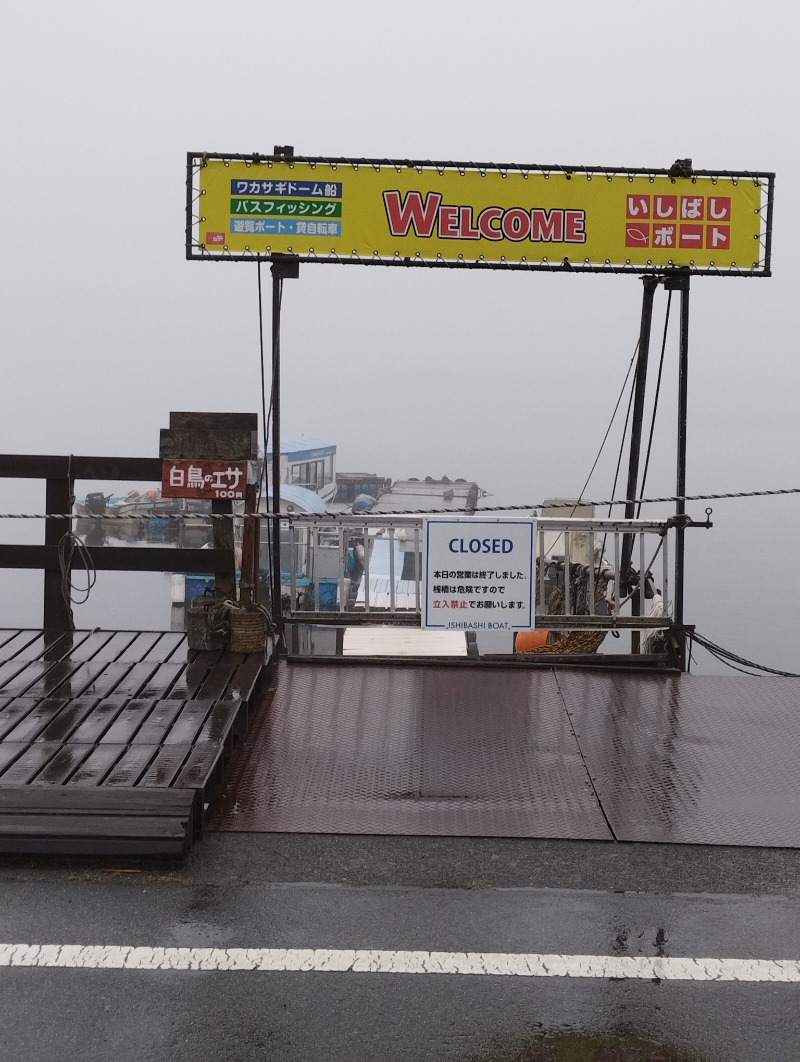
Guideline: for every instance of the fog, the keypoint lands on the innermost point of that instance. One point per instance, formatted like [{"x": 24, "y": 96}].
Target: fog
[{"x": 506, "y": 378}]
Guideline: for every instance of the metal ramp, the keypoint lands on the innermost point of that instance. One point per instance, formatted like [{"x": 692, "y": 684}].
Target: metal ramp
[
  {"x": 412, "y": 750},
  {"x": 460, "y": 750}
]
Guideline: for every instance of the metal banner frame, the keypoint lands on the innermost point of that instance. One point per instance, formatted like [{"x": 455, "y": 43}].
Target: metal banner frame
[
  {"x": 299, "y": 187},
  {"x": 474, "y": 237}
]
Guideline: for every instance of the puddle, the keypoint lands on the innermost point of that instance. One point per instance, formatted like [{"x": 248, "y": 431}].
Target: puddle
[{"x": 578, "y": 1048}]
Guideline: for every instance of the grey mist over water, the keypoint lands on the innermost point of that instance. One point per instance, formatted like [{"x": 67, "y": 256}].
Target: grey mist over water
[
  {"x": 506, "y": 378},
  {"x": 721, "y": 579}
]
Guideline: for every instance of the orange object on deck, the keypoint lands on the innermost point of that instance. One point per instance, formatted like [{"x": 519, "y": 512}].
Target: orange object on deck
[{"x": 527, "y": 640}]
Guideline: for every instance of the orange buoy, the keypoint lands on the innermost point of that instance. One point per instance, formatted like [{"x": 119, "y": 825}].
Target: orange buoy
[{"x": 527, "y": 640}]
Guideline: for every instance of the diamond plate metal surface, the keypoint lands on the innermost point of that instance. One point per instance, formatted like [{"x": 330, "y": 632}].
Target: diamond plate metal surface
[
  {"x": 691, "y": 759},
  {"x": 431, "y": 750}
]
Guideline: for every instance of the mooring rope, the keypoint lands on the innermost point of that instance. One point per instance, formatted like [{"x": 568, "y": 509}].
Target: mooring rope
[
  {"x": 725, "y": 656},
  {"x": 374, "y": 517}
]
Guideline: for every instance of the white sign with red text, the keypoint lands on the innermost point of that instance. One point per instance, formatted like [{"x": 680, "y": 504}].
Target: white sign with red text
[
  {"x": 478, "y": 574},
  {"x": 203, "y": 479}
]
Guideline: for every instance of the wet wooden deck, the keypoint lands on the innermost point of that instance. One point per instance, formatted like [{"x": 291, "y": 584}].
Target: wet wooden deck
[{"x": 116, "y": 712}]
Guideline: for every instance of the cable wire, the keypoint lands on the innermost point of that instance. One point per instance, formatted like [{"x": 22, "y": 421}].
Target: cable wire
[
  {"x": 725, "y": 656},
  {"x": 266, "y": 418},
  {"x": 602, "y": 445},
  {"x": 655, "y": 402},
  {"x": 527, "y": 506},
  {"x": 611, "y": 422},
  {"x": 68, "y": 546}
]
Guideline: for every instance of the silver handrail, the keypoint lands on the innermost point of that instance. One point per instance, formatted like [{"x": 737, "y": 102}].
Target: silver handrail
[{"x": 360, "y": 595}]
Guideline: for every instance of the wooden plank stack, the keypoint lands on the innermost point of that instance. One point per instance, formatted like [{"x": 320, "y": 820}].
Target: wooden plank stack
[{"x": 130, "y": 822}]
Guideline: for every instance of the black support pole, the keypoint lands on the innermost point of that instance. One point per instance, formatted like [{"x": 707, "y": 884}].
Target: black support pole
[
  {"x": 277, "y": 286},
  {"x": 58, "y": 499},
  {"x": 283, "y": 267},
  {"x": 678, "y": 280},
  {"x": 631, "y": 494},
  {"x": 680, "y": 490}
]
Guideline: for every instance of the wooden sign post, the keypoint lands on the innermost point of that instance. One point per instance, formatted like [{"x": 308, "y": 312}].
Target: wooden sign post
[{"x": 206, "y": 455}]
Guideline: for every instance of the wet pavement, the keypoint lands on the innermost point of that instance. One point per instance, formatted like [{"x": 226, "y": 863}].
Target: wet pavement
[
  {"x": 331, "y": 946},
  {"x": 437, "y": 894}
]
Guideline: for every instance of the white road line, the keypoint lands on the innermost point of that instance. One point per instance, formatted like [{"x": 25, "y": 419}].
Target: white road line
[{"x": 323, "y": 960}]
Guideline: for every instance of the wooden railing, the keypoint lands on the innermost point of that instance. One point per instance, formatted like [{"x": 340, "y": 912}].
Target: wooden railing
[{"x": 60, "y": 474}]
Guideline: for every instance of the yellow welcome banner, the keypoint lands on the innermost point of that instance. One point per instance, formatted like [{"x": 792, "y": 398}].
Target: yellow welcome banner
[{"x": 406, "y": 213}]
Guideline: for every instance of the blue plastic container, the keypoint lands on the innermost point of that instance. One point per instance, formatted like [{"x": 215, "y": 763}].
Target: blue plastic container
[
  {"x": 196, "y": 586},
  {"x": 328, "y": 593}
]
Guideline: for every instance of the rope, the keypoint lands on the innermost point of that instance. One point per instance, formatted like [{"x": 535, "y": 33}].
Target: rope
[
  {"x": 622, "y": 440},
  {"x": 68, "y": 546},
  {"x": 647, "y": 568},
  {"x": 655, "y": 400},
  {"x": 573, "y": 641},
  {"x": 669, "y": 498},
  {"x": 611, "y": 422},
  {"x": 725, "y": 656},
  {"x": 266, "y": 420}
]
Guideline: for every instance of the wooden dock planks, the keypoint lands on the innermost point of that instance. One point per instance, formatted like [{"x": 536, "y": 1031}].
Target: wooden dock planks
[
  {"x": 105, "y": 716},
  {"x": 59, "y": 820}
]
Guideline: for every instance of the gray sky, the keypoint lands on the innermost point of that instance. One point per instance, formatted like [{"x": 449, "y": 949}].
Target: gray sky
[{"x": 508, "y": 379}]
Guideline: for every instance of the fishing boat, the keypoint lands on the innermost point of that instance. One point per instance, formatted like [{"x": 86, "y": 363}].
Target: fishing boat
[
  {"x": 309, "y": 463},
  {"x": 144, "y": 515}
]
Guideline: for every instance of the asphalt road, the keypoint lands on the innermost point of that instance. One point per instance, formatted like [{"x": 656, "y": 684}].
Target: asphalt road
[{"x": 405, "y": 894}]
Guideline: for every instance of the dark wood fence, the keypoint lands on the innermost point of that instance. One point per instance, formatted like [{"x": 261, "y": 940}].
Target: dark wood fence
[{"x": 60, "y": 474}]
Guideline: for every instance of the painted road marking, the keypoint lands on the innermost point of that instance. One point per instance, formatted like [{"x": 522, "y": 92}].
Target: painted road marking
[{"x": 324, "y": 960}]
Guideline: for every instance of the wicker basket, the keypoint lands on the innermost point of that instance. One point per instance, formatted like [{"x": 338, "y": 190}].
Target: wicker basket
[{"x": 248, "y": 630}]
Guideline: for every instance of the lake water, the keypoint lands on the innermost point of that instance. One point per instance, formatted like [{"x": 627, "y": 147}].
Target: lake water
[{"x": 741, "y": 590}]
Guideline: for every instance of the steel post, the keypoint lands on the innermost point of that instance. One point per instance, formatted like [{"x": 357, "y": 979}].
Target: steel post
[
  {"x": 680, "y": 490},
  {"x": 283, "y": 267},
  {"x": 277, "y": 287},
  {"x": 632, "y": 491}
]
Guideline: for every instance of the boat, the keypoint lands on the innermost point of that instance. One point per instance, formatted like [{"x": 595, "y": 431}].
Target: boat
[
  {"x": 144, "y": 515},
  {"x": 304, "y": 567},
  {"x": 307, "y": 462},
  {"x": 395, "y": 564},
  {"x": 298, "y": 558},
  {"x": 352, "y": 486}
]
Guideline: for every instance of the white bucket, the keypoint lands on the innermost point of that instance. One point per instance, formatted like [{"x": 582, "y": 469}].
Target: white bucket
[{"x": 178, "y": 589}]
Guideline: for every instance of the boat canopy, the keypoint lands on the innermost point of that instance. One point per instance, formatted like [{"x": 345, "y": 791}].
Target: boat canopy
[
  {"x": 300, "y": 498},
  {"x": 303, "y": 447}
]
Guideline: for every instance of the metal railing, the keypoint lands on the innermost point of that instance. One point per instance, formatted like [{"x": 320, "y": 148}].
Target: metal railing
[{"x": 368, "y": 569}]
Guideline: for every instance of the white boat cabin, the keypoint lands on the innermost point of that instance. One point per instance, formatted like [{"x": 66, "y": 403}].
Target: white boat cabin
[{"x": 307, "y": 462}]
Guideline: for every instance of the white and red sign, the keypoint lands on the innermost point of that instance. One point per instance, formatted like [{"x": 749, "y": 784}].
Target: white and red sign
[
  {"x": 203, "y": 479},
  {"x": 478, "y": 574},
  {"x": 695, "y": 222}
]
